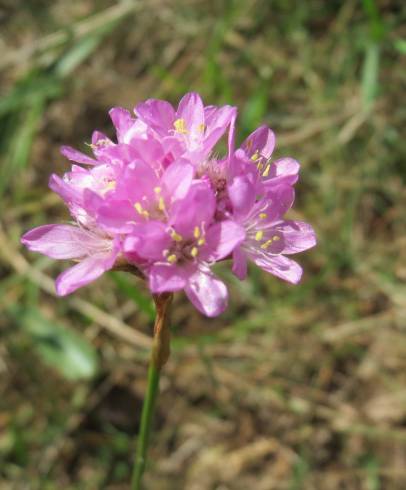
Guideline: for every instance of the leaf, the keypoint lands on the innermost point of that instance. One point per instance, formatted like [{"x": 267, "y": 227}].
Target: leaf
[
  {"x": 59, "y": 347},
  {"x": 370, "y": 71},
  {"x": 79, "y": 52}
]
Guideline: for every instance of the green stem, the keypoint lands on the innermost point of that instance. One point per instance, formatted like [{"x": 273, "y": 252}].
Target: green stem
[
  {"x": 159, "y": 356},
  {"x": 145, "y": 428}
]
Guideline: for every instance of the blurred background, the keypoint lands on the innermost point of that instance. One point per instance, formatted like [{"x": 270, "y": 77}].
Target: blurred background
[{"x": 293, "y": 387}]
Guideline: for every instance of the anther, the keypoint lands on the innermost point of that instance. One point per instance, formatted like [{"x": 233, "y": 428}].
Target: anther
[
  {"x": 175, "y": 236},
  {"x": 259, "y": 235},
  {"x": 180, "y": 126}
]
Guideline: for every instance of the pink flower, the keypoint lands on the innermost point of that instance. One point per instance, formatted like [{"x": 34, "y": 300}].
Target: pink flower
[
  {"x": 181, "y": 248},
  {"x": 195, "y": 128},
  {"x": 157, "y": 199},
  {"x": 268, "y": 236}
]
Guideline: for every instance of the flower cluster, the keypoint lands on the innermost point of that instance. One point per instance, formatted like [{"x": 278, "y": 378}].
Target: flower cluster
[{"x": 159, "y": 199}]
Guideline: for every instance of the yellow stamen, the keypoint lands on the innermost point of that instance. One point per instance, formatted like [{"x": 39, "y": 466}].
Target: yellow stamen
[
  {"x": 259, "y": 235},
  {"x": 266, "y": 171},
  {"x": 260, "y": 166},
  {"x": 175, "y": 236},
  {"x": 157, "y": 190},
  {"x": 194, "y": 251},
  {"x": 255, "y": 156},
  {"x": 201, "y": 242},
  {"x": 172, "y": 258},
  {"x": 161, "y": 204},
  {"x": 138, "y": 207},
  {"x": 180, "y": 126},
  {"x": 196, "y": 232},
  {"x": 265, "y": 245},
  {"x": 263, "y": 215},
  {"x": 201, "y": 128},
  {"x": 276, "y": 238},
  {"x": 140, "y": 210}
]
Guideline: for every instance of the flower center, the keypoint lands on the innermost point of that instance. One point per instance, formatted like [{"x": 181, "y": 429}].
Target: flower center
[{"x": 184, "y": 250}]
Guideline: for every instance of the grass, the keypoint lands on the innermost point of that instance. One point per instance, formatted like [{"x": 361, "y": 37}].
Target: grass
[{"x": 293, "y": 387}]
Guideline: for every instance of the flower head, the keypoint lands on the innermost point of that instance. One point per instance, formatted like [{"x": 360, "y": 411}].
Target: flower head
[{"x": 158, "y": 199}]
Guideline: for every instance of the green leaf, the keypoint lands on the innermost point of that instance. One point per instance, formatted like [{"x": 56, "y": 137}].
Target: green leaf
[
  {"x": 79, "y": 52},
  {"x": 370, "y": 71},
  {"x": 60, "y": 348}
]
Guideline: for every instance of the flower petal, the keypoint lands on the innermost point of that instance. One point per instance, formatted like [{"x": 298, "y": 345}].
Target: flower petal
[
  {"x": 157, "y": 114},
  {"x": 83, "y": 273},
  {"x": 221, "y": 240},
  {"x": 279, "y": 266},
  {"x": 298, "y": 236},
  {"x": 117, "y": 216},
  {"x": 62, "y": 241},
  {"x": 77, "y": 156},
  {"x": 261, "y": 141},
  {"x": 191, "y": 109},
  {"x": 149, "y": 240},
  {"x": 122, "y": 120},
  {"x": 284, "y": 171},
  {"x": 65, "y": 190},
  {"x": 207, "y": 293},
  {"x": 177, "y": 179},
  {"x": 242, "y": 195},
  {"x": 240, "y": 263},
  {"x": 196, "y": 209},
  {"x": 280, "y": 200},
  {"x": 166, "y": 277}
]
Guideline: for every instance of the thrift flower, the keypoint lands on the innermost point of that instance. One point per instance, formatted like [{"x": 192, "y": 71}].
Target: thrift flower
[{"x": 157, "y": 198}]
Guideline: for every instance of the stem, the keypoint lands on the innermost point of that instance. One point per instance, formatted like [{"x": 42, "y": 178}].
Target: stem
[
  {"x": 159, "y": 356},
  {"x": 145, "y": 428}
]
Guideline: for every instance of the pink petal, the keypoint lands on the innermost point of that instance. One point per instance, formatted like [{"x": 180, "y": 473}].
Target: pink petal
[
  {"x": 117, "y": 216},
  {"x": 83, "y": 273},
  {"x": 240, "y": 263},
  {"x": 150, "y": 240},
  {"x": 191, "y": 109},
  {"x": 262, "y": 140},
  {"x": 166, "y": 277},
  {"x": 150, "y": 151},
  {"x": 100, "y": 139},
  {"x": 217, "y": 121},
  {"x": 284, "y": 171},
  {"x": 221, "y": 240},
  {"x": 158, "y": 114},
  {"x": 297, "y": 235},
  {"x": 77, "y": 156},
  {"x": 219, "y": 117},
  {"x": 68, "y": 193},
  {"x": 137, "y": 182},
  {"x": 279, "y": 266},
  {"x": 122, "y": 120},
  {"x": 61, "y": 241},
  {"x": 242, "y": 195},
  {"x": 280, "y": 201},
  {"x": 207, "y": 293},
  {"x": 177, "y": 179},
  {"x": 196, "y": 209}
]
